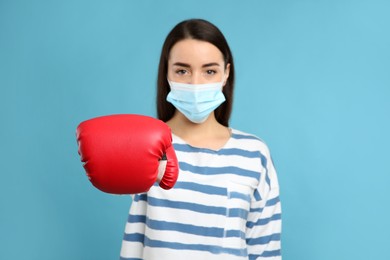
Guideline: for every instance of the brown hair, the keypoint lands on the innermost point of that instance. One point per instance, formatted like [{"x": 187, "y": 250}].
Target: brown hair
[{"x": 202, "y": 30}]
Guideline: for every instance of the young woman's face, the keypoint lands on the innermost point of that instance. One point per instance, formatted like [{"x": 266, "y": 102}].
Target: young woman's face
[{"x": 196, "y": 62}]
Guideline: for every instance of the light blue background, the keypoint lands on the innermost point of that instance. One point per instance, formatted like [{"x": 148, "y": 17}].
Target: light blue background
[{"x": 313, "y": 81}]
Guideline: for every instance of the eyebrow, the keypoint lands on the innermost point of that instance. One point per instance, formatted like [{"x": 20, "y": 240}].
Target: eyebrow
[{"x": 181, "y": 64}]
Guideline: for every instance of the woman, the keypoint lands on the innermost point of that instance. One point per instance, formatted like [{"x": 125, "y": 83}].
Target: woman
[{"x": 225, "y": 204}]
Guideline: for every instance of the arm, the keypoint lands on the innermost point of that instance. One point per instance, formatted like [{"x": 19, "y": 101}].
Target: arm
[
  {"x": 133, "y": 239},
  {"x": 264, "y": 223}
]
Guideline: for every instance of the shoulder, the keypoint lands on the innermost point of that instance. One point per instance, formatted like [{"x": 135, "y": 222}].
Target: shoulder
[
  {"x": 249, "y": 141},
  {"x": 257, "y": 145}
]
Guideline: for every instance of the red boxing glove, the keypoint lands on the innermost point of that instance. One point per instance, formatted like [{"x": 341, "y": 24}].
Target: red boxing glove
[{"x": 122, "y": 153}]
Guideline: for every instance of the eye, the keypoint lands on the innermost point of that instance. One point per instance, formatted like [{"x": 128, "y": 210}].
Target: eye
[
  {"x": 181, "y": 71},
  {"x": 211, "y": 72}
]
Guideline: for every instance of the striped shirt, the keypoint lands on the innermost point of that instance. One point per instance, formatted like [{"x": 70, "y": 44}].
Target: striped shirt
[{"x": 224, "y": 206}]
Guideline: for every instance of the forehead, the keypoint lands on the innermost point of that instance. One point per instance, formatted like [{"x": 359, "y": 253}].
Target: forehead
[{"x": 194, "y": 51}]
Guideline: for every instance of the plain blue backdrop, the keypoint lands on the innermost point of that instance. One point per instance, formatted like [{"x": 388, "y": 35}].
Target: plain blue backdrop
[{"x": 313, "y": 81}]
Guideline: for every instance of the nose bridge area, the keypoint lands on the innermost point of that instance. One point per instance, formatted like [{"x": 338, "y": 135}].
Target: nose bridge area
[{"x": 196, "y": 78}]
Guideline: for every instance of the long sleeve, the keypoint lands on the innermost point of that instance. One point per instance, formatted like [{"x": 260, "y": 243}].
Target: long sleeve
[
  {"x": 264, "y": 224},
  {"x": 133, "y": 239}
]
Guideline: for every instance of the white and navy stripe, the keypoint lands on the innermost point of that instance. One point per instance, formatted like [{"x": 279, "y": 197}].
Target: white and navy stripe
[{"x": 225, "y": 205}]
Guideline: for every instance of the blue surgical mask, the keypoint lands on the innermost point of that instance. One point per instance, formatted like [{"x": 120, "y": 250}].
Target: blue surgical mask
[{"x": 196, "y": 101}]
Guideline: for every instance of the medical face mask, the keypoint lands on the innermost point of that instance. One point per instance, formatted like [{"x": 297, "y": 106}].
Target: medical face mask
[{"x": 196, "y": 101}]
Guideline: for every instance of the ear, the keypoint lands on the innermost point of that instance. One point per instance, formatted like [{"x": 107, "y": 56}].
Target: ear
[{"x": 226, "y": 76}]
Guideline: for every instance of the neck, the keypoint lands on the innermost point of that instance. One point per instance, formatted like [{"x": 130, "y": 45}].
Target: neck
[
  {"x": 209, "y": 134},
  {"x": 180, "y": 124}
]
